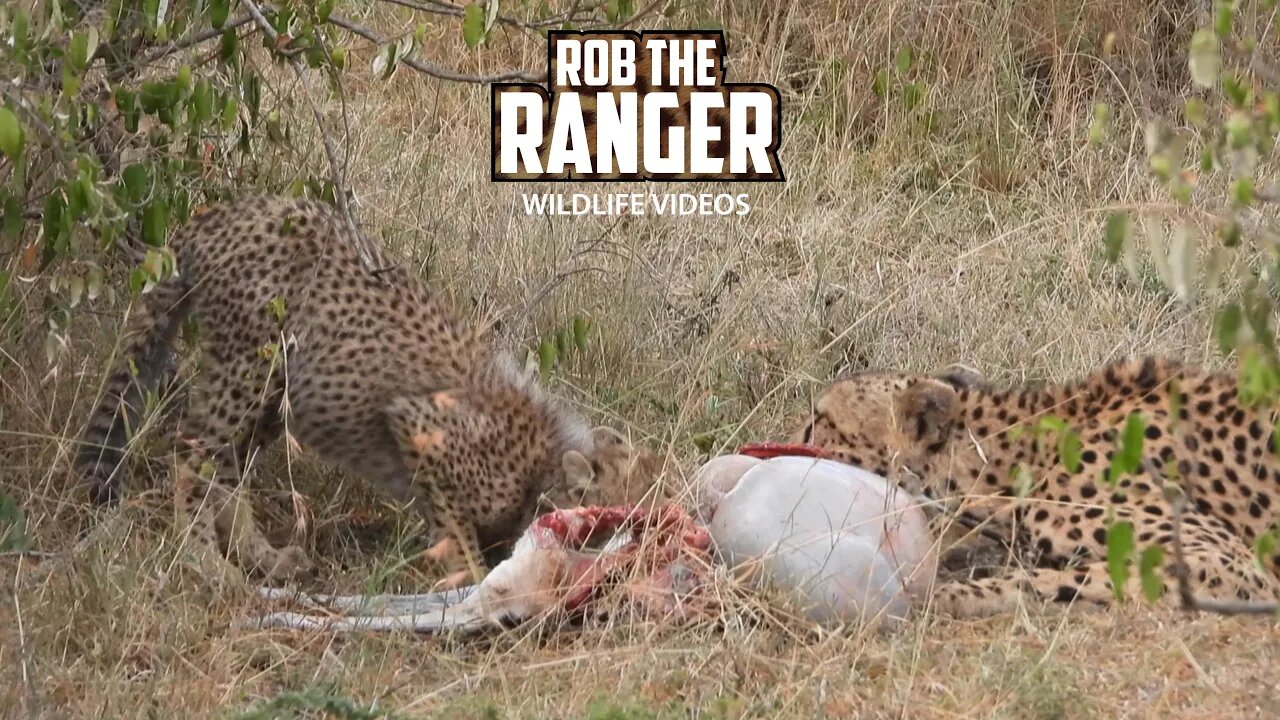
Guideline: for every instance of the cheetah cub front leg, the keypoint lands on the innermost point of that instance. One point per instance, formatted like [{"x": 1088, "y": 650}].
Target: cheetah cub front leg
[
  {"x": 429, "y": 432},
  {"x": 217, "y": 512}
]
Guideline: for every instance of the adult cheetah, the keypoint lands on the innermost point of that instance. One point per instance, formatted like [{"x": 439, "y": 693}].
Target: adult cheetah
[
  {"x": 961, "y": 438},
  {"x": 367, "y": 367}
]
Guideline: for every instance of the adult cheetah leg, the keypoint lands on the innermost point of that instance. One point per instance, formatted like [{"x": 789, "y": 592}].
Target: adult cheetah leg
[
  {"x": 229, "y": 423},
  {"x": 995, "y": 595},
  {"x": 1219, "y": 567}
]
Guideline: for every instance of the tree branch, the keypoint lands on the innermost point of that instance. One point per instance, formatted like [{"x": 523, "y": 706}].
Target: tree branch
[
  {"x": 367, "y": 253},
  {"x": 429, "y": 69},
  {"x": 439, "y": 7},
  {"x": 197, "y": 38}
]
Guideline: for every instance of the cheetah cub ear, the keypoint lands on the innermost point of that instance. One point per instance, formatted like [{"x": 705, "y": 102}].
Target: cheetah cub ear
[
  {"x": 579, "y": 472},
  {"x": 926, "y": 411},
  {"x": 605, "y": 436}
]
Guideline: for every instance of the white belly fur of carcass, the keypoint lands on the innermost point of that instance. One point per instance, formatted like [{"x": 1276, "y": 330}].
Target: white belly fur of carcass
[{"x": 844, "y": 543}]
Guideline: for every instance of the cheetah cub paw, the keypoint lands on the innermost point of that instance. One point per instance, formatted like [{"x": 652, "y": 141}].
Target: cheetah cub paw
[{"x": 292, "y": 563}]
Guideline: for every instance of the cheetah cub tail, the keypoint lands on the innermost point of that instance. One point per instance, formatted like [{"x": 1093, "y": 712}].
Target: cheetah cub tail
[{"x": 146, "y": 363}]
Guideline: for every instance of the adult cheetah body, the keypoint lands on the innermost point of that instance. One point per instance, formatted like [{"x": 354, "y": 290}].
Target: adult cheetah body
[
  {"x": 961, "y": 438},
  {"x": 372, "y": 370}
]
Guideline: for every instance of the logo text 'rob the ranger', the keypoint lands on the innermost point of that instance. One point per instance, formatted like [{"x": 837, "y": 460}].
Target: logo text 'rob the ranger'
[{"x": 636, "y": 106}]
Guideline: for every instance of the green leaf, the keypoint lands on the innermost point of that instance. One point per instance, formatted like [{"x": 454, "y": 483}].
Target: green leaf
[
  {"x": 546, "y": 356},
  {"x": 1023, "y": 481},
  {"x": 137, "y": 183},
  {"x": 902, "y": 61},
  {"x": 70, "y": 81},
  {"x": 1069, "y": 450},
  {"x": 1101, "y": 122},
  {"x": 229, "y": 45},
  {"x": 230, "y": 111},
  {"x": 202, "y": 102},
  {"x": 1228, "y": 327},
  {"x": 1119, "y": 550},
  {"x": 82, "y": 47},
  {"x": 580, "y": 328},
  {"x": 1239, "y": 127},
  {"x": 912, "y": 95},
  {"x": 384, "y": 63},
  {"x": 1116, "y": 233},
  {"x": 1196, "y": 112},
  {"x": 127, "y": 103},
  {"x": 473, "y": 24},
  {"x": 562, "y": 343},
  {"x": 13, "y": 221},
  {"x": 54, "y": 240},
  {"x": 880, "y": 84},
  {"x": 138, "y": 281},
  {"x": 1203, "y": 58},
  {"x": 1263, "y": 549},
  {"x": 1128, "y": 457},
  {"x": 1242, "y": 192},
  {"x": 11, "y": 135},
  {"x": 1223, "y": 14},
  {"x": 1230, "y": 233},
  {"x": 1182, "y": 261},
  {"x": 18, "y": 30},
  {"x": 13, "y": 525},
  {"x": 93, "y": 283},
  {"x": 1149, "y": 563},
  {"x": 253, "y": 94},
  {"x": 276, "y": 307},
  {"x": 1237, "y": 90},
  {"x": 157, "y": 95},
  {"x": 155, "y": 222},
  {"x": 705, "y": 441},
  {"x": 219, "y": 11}
]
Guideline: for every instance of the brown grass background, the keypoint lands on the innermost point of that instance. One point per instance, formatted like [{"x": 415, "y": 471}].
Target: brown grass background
[{"x": 889, "y": 246}]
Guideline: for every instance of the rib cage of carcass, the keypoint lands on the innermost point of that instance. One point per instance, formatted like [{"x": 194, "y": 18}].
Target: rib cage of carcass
[{"x": 568, "y": 561}]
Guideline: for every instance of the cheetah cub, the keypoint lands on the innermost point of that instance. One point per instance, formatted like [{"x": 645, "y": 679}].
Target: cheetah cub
[{"x": 369, "y": 369}]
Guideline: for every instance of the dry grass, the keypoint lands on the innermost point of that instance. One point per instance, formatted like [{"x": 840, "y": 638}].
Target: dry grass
[{"x": 889, "y": 246}]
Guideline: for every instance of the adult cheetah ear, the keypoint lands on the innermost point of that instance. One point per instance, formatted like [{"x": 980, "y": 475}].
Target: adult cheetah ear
[
  {"x": 961, "y": 377},
  {"x": 926, "y": 411},
  {"x": 579, "y": 475}
]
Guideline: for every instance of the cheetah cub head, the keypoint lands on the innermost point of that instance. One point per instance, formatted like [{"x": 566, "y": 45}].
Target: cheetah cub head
[{"x": 614, "y": 472}]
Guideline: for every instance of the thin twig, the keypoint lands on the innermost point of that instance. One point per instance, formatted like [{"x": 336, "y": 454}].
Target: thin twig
[
  {"x": 36, "y": 554},
  {"x": 566, "y": 271},
  {"x": 24, "y": 651},
  {"x": 443, "y": 8},
  {"x": 196, "y": 38},
  {"x": 430, "y": 69},
  {"x": 644, "y": 13}
]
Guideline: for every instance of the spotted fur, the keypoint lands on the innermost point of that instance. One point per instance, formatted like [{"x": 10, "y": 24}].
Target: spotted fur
[
  {"x": 959, "y": 438},
  {"x": 369, "y": 368}
]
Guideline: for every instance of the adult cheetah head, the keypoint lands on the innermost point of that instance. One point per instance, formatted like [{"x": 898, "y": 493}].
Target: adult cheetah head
[
  {"x": 899, "y": 425},
  {"x": 614, "y": 472}
]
